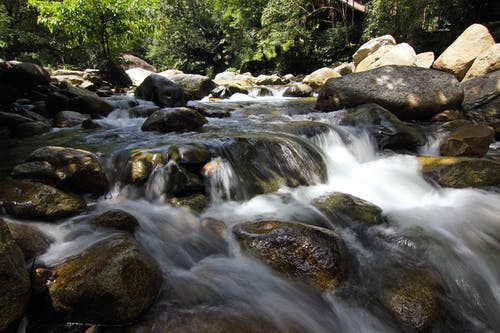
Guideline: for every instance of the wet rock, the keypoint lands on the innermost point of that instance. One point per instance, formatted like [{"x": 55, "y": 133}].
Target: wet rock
[
  {"x": 195, "y": 202},
  {"x": 90, "y": 124},
  {"x": 143, "y": 111},
  {"x": 91, "y": 105},
  {"x": 461, "y": 172},
  {"x": 113, "y": 282},
  {"x": 308, "y": 129},
  {"x": 74, "y": 169},
  {"x": 181, "y": 182},
  {"x": 221, "y": 92},
  {"x": 467, "y": 140},
  {"x": 318, "y": 78},
  {"x": 69, "y": 118},
  {"x": 264, "y": 163},
  {"x": 447, "y": 115},
  {"x": 174, "y": 120},
  {"x": 32, "y": 128},
  {"x": 30, "y": 240},
  {"x": 298, "y": 90},
  {"x": 57, "y": 101},
  {"x": 388, "y": 130},
  {"x": 411, "y": 298},
  {"x": 13, "y": 119},
  {"x": 371, "y": 46},
  {"x": 35, "y": 200},
  {"x": 189, "y": 154},
  {"x": 345, "y": 209},
  {"x": 214, "y": 226},
  {"x": 141, "y": 163},
  {"x": 401, "y": 54},
  {"x": 425, "y": 59},
  {"x": 408, "y": 92},
  {"x": 485, "y": 63},
  {"x": 116, "y": 219},
  {"x": 161, "y": 91},
  {"x": 194, "y": 85},
  {"x": 15, "y": 283},
  {"x": 315, "y": 255},
  {"x": 138, "y": 75},
  {"x": 459, "y": 56},
  {"x": 264, "y": 92}
]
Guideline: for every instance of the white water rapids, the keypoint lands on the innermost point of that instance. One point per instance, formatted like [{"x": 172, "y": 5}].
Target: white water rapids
[{"x": 455, "y": 233}]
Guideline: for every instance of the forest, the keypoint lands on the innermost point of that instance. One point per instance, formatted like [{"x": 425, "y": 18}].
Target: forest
[{"x": 209, "y": 36}]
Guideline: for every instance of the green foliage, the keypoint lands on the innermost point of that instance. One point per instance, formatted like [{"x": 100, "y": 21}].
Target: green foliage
[{"x": 108, "y": 26}]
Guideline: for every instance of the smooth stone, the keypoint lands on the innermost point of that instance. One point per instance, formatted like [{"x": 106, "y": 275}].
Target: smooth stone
[
  {"x": 318, "y": 78},
  {"x": 371, "y": 46},
  {"x": 160, "y": 90},
  {"x": 174, "y": 120},
  {"x": 467, "y": 140},
  {"x": 31, "y": 240},
  {"x": 195, "y": 202},
  {"x": 401, "y": 55},
  {"x": 298, "y": 90},
  {"x": 116, "y": 219},
  {"x": 485, "y": 63},
  {"x": 32, "y": 128},
  {"x": 69, "y": 119},
  {"x": 194, "y": 85},
  {"x": 425, "y": 59}
]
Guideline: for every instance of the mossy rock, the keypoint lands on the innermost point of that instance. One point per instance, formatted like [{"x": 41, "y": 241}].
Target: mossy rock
[
  {"x": 116, "y": 219},
  {"x": 461, "y": 172},
  {"x": 35, "y": 200},
  {"x": 195, "y": 202},
  {"x": 14, "y": 283},
  {"x": 113, "y": 282},
  {"x": 314, "y": 255},
  {"x": 411, "y": 298},
  {"x": 30, "y": 239},
  {"x": 345, "y": 209}
]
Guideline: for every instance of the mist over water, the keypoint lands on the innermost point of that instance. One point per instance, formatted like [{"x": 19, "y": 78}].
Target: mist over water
[{"x": 452, "y": 233}]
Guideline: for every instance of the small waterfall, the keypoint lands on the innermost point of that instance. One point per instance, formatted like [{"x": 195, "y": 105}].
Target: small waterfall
[{"x": 221, "y": 179}]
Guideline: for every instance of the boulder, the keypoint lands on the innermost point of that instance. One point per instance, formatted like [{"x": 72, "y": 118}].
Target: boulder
[
  {"x": 116, "y": 219},
  {"x": 459, "y": 56},
  {"x": 401, "y": 54},
  {"x": 74, "y": 169},
  {"x": 131, "y": 61},
  {"x": 35, "y": 200},
  {"x": 269, "y": 80},
  {"x": 298, "y": 90},
  {"x": 143, "y": 111},
  {"x": 194, "y": 85},
  {"x": 345, "y": 68},
  {"x": 22, "y": 75},
  {"x": 467, "y": 140},
  {"x": 174, "y": 120},
  {"x": 15, "y": 284},
  {"x": 69, "y": 118},
  {"x": 480, "y": 90},
  {"x": 408, "y": 92},
  {"x": 485, "y": 63},
  {"x": 140, "y": 164},
  {"x": 87, "y": 104},
  {"x": 411, "y": 298},
  {"x": 138, "y": 75},
  {"x": 315, "y": 255},
  {"x": 371, "y": 46},
  {"x": 32, "y": 128},
  {"x": 113, "y": 282},
  {"x": 388, "y": 131},
  {"x": 461, "y": 172},
  {"x": 161, "y": 91},
  {"x": 425, "y": 59},
  {"x": 317, "y": 78},
  {"x": 30, "y": 240},
  {"x": 344, "y": 209}
]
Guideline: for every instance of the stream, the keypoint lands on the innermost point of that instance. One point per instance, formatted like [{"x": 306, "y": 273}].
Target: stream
[{"x": 454, "y": 234}]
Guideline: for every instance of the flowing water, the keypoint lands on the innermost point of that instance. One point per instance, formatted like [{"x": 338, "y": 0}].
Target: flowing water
[{"x": 452, "y": 233}]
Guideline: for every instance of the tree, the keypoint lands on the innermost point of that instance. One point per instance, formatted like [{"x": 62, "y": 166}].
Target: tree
[{"x": 108, "y": 26}]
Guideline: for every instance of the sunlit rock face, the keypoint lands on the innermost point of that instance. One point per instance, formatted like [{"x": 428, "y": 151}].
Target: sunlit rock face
[{"x": 408, "y": 92}]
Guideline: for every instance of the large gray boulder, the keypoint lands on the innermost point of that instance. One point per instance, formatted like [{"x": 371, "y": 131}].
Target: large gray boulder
[
  {"x": 113, "y": 282},
  {"x": 174, "y": 120},
  {"x": 14, "y": 282},
  {"x": 22, "y": 75},
  {"x": 39, "y": 201},
  {"x": 194, "y": 85},
  {"x": 315, "y": 255},
  {"x": 459, "y": 56},
  {"x": 408, "y": 92},
  {"x": 480, "y": 90},
  {"x": 160, "y": 90}
]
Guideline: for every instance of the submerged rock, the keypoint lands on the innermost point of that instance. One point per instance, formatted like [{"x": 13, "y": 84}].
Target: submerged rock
[
  {"x": 174, "y": 119},
  {"x": 15, "y": 283},
  {"x": 315, "y": 255},
  {"x": 461, "y": 172},
  {"x": 388, "y": 130},
  {"x": 410, "y": 93},
  {"x": 74, "y": 169},
  {"x": 30, "y": 240},
  {"x": 35, "y": 200},
  {"x": 113, "y": 282},
  {"x": 411, "y": 298},
  {"x": 116, "y": 219},
  {"x": 346, "y": 209}
]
